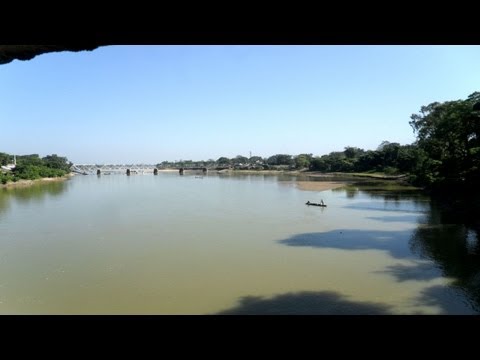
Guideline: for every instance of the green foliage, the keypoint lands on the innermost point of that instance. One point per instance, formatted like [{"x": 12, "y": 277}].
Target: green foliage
[
  {"x": 6, "y": 177},
  {"x": 303, "y": 161},
  {"x": 239, "y": 159},
  {"x": 31, "y": 167},
  {"x": 255, "y": 159},
  {"x": 223, "y": 161},
  {"x": 449, "y": 134},
  {"x": 5, "y": 159},
  {"x": 56, "y": 162},
  {"x": 32, "y": 159},
  {"x": 353, "y": 152},
  {"x": 280, "y": 159},
  {"x": 446, "y": 153},
  {"x": 31, "y": 172}
]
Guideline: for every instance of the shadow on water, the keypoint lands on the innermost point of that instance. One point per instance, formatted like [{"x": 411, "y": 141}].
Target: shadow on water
[
  {"x": 455, "y": 250},
  {"x": 405, "y": 207},
  {"x": 416, "y": 272},
  {"x": 305, "y": 303},
  {"x": 448, "y": 237},
  {"x": 33, "y": 193},
  {"x": 445, "y": 243},
  {"x": 394, "y": 242}
]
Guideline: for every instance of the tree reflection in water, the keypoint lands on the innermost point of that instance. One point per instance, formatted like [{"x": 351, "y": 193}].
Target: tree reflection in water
[{"x": 449, "y": 235}]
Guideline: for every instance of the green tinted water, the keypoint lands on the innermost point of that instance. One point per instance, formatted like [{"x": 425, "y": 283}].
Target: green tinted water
[{"x": 171, "y": 244}]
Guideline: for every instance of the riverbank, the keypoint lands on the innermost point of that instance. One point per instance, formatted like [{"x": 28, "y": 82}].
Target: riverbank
[
  {"x": 26, "y": 183},
  {"x": 380, "y": 176},
  {"x": 315, "y": 185},
  {"x": 336, "y": 177}
]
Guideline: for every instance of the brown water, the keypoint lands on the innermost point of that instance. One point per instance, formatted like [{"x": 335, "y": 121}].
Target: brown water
[{"x": 171, "y": 244}]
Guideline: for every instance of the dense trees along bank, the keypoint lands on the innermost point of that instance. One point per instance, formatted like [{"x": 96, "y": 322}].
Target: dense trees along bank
[
  {"x": 31, "y": 167},
  {"x": 446, "y": 154}
]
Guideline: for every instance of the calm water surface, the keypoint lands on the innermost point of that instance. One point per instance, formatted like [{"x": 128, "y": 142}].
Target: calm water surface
[{"x": 171, "y": 244}]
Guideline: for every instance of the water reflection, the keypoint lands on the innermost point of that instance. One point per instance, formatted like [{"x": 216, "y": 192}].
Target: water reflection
[
  {"x": 449, "y": 299},
  {"x": 445, "y": 243},
  {"x": 4, "y": 202},
  {"x": 383, "y": 190},
  {"x": 448, "y": 236},
  {"x": 158, "y": 255},
  {"x": 389, "y": 206},
  {"x": 399, "y": 218},
  {"x": 455, "y": 249},
  {"x": 33, "y": 193},
  {"x": 306, "y": 303}
]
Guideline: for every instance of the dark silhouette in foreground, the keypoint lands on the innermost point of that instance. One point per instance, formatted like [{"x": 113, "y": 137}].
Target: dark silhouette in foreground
[{"x": 306, "y": 303}]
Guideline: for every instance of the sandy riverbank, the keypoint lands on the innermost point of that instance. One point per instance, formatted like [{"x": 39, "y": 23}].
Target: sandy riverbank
[
  {"x": 318, "y": 174},
  {"x": 25, "y": 183},
  {"x": 314, "y": 185},
  {"x": 300, "y": 184}
]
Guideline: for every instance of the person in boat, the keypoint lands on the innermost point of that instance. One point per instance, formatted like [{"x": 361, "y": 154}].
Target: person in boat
[
  {"x": 308, "y": 202},
  {"x": 321, "y": 202}
]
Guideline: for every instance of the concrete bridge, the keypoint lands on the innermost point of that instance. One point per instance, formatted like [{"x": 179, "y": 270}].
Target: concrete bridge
[{"x": 91, "y": 169}]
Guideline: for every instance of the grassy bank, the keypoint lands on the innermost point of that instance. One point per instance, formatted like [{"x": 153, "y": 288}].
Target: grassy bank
[{"x": 25, "y": 183}]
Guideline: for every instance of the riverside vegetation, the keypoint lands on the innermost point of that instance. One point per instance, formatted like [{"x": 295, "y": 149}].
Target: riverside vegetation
[
  {"x": 32, "y": 167},
  {"x": 445, "y": 156}
]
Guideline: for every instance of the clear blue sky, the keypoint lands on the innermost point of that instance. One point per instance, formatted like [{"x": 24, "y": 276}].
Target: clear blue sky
[{"x": 134, "y": 104}]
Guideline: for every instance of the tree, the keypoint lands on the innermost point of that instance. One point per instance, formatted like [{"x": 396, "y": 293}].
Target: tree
[
  {"x": 32, "y": 159},
  {"x": 319, "y": 164},
  {"x": 389, "y": 153},
  {"x": 408, "y": 157},
  {"x": 449, "y": 134},
  {"x": 382, "y": 145},
  {"x": 239, "y": 159},
  {"x": 223, "y": 161},
  {"x": 371, "y": 160},
  {"x": 4, "y": 158},
  {"x": 353, "y": 152},
  {"x": 57, "y": 162},
  {"x": 255, "y": 159},
  {"x": 303, "y": 160}
]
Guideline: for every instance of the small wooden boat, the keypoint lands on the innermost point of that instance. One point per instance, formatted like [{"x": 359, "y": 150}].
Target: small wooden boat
[{"x": 315, "y": 204}]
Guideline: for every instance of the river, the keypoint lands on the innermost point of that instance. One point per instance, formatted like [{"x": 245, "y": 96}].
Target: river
[{"x": 226, "y": 244}]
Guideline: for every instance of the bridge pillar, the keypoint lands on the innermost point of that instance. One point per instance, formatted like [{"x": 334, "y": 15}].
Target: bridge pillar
[
  {"x": 155, "y": 171},
  {"x": 128, "y": 172},
  {"x": 181, "y": 171}
]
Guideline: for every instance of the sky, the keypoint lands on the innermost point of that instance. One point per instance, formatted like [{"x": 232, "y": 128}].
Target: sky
[{"x": 148, "y": 104}]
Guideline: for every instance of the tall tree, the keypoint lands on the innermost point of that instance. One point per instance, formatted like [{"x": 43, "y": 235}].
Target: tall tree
[{"x": 449, "y": 134}]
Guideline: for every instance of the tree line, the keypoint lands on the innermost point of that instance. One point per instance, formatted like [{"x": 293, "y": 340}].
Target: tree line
[
  {"x": 30, "y": 167},
  {"x": 446, "y": 152},
  {"x": 445, "y": 155}
]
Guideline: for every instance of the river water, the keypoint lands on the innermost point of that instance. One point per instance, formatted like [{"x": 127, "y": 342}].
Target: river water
[{"x": 223, "y": 244}]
